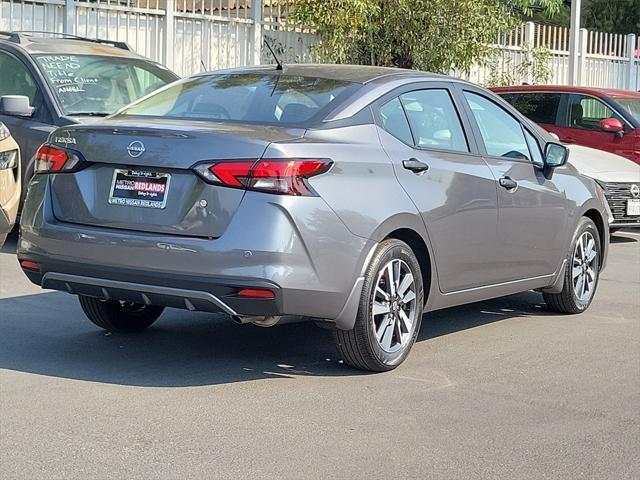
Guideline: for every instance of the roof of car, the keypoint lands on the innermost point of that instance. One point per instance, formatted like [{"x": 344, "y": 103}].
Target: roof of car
[
  {"x": 347, "y": 73},
  {"x": 597, "y": 92},
  {"x": 55, "y": 44}
]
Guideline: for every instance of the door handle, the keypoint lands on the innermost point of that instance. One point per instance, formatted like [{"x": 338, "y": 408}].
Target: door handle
[
  {"x": 415, "y": 165},
  {"x": 508, "y": 183}
]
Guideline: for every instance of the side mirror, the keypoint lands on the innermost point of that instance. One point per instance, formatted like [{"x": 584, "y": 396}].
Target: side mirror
[
  {"x": 15, "y": 105},
  {"x": 555, "y": 155},
  {"x": 612, "y": 125}
]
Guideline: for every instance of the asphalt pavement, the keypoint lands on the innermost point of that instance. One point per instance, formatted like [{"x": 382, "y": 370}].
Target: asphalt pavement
[{"x": 501, "y": 389}]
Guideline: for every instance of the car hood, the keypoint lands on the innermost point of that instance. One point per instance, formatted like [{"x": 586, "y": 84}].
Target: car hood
[{"x": 603, "y": 166}]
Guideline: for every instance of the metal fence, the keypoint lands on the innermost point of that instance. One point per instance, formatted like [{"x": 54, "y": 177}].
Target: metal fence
[
  {"x": 188, "y": 36},
  {"x": 191, "y": 36},
  {"x": 604, "y": 59}
]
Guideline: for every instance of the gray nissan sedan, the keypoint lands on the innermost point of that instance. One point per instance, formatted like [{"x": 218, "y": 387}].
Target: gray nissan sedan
[{"x": 357, "y": 197}]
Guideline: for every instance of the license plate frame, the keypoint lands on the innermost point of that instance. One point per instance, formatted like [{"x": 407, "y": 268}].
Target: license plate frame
[
  {"x": 633, "y": 207},
  {"x": 139, "y": 188}
]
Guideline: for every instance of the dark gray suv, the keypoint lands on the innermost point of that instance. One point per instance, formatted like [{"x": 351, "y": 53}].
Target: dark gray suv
[
  {"x": 356, "y": 196},
  {"x": 49, "y": 81}
]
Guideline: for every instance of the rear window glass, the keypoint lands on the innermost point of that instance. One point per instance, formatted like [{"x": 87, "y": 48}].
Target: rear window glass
[
  {"x": 539, "y": 107},
  {"x": 247, "y": 98},
  {"x": 100, "y": 85}
]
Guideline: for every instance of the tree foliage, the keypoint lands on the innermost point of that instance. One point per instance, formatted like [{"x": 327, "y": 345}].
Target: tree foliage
[
  {"x": 433, "y": 35},
  {"x": 619, "y": 16}
]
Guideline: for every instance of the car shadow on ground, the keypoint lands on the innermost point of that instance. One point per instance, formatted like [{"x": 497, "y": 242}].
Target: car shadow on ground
[
  {"x": 619, "y": 237},
  {"x": 47, "y": 334}
]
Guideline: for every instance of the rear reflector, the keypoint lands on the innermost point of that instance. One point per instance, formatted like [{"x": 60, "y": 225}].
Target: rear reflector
[
  {"x": 256, "y": 293},
  {"x": 51, "y": 159},
  {"x": 29, "y": 265},
  {"x": 283, "y": 176}
]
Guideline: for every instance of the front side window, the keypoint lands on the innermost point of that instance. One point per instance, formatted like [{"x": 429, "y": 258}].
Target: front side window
[
  {"x": 97, "y": 85},
  {"x": 501, "y": 133},
  {"x": 539, "y": 107},
  {"x": 434, "y": 120},
  {"x": 15, "y": 78},
  {"x": 586, "y": 112},
  {"x": 247, "y": 98}
]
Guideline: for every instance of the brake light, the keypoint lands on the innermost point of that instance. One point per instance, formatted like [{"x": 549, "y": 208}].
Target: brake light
[
  {"x": 283, "y": 176},
  {"x": 53, "y": 159}
]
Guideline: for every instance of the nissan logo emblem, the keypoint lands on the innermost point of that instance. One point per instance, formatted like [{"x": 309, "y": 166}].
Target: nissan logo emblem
[
  {"x": 635, "y": 191},
  {"x": 135, "y": 149}
]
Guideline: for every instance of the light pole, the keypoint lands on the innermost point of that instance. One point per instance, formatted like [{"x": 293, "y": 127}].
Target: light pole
[{"x": 574, "y": 42}]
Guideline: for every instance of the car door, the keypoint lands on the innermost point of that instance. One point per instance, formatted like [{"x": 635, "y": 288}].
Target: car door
[
  {"x": 29, "y": 132},
  {"x": 582, "y": 121},
  {"x": 532, "y": 220},
  {"x": 438, "y": 165}
]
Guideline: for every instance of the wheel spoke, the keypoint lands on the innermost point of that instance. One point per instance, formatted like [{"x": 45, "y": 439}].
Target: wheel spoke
[
  {"x": 396, "y": 275},
  {"x": 387, "y": 336},
  {"x": 381, "y": 292},
  {"x": 405, "y": 321},
  {"x": 409, "y": 297},
  {"x": 391, "y": 282},
  {"x": 384, "y": 323},
  {"x": 576, "y": 271},
  {"x": 397, "y": 330},
  {"x": 579, "y": 284},
  {"x": 380, "y": 308},
  {"x": 406, "y": 282}
]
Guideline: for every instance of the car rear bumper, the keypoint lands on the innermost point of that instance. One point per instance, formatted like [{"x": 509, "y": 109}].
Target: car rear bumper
[{"x": 295, "y": 247}]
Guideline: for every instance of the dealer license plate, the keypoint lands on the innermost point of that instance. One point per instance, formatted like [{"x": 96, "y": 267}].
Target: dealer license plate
[{"x": 138, "y": 188}]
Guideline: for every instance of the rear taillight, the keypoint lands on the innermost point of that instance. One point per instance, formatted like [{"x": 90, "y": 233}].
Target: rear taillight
[
  {"x": 51, "y": 159},
  {"x": 283, "y": 176},
  {"x": 29, "y": 265}
]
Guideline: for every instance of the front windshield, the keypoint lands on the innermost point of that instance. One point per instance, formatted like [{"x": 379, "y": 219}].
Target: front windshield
[
  {"x": 631, "y": 105},
  {"x": 246, "y": 98},
  {"x": 100, "y": 85}
]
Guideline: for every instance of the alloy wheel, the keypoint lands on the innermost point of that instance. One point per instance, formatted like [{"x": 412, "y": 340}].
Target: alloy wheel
[
  {"x": 584, "y": 267},
  {"x": 393, "y": 309}
]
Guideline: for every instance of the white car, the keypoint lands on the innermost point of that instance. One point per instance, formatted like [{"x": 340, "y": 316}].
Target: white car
[{"x": 618, "y": 176}]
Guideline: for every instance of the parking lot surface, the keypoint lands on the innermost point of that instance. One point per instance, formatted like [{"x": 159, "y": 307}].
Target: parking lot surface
[{"x": 498, "y": 389}]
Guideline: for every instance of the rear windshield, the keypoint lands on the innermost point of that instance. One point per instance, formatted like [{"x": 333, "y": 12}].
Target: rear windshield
[
  {"x": 100, "y": 85},
  {"x": 247, "y": 98},
  {"x": 631, "y": 105}
]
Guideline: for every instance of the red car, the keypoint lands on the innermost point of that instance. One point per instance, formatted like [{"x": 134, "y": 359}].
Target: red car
[{"x": 602, "y": 118}]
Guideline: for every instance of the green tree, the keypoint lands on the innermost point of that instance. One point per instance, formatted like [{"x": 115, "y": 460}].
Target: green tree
[
  {"x": 434, "y": 35},
  {"x": 618, "y": 16}
]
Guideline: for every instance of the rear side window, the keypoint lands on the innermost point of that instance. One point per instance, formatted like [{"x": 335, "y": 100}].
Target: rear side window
[
  {"x": 395, "y": 122},
  {"x": 434, "y": 120},
  {"x": 501, "y": 133},
  {"x": 539, "y": 107},
  {"x": 15, "y": 78},
  {"x": 247, "y": 98}
]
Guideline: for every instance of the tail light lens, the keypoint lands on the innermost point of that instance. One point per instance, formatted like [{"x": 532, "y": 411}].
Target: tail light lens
[
  {"x": 283, "y": 176},
  {"x": 50, "y": 159}
]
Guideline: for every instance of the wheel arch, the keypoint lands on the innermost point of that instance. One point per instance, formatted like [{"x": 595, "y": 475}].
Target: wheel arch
[{"x": 594, "y": 215}]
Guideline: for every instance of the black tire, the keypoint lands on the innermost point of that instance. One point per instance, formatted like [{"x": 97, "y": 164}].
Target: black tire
[
  {"x": 120, "y": 317},
  {"x": 568, "y": 301},
  {"x": 360, "y": 347}
]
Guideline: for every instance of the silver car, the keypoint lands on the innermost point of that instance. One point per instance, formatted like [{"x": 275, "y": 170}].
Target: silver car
[{"x": 360, "y": 197}]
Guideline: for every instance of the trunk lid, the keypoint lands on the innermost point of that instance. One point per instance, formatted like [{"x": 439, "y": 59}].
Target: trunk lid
[{"x": 155, "y": 157}]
